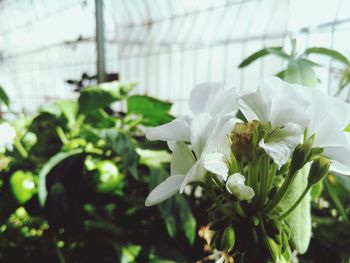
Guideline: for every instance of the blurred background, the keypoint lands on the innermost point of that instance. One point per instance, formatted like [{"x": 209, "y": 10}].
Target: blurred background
[{"x": 167, "y": 46}]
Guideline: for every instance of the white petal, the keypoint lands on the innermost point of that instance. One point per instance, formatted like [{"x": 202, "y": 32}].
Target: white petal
[
  {"x": 219, "y": 139},
  {"x": 281, "y": 143},
  {"x": 182, "y": 159},
  {"x": 195, "y": 174},
  {"x": 213, "y": 99},
  {"x": 165, "y": 190},
  {"x": 278, "y": 151},
  {"x": 176, "y": 130},
  {"x": 201, "y": 127},
  {"x": 235, "y": 186},
  {"x": 284, "y": 110},
  {"x": 215, "y": 163},
  {"x": 339, "y": 154},
  {"x": 255, "y": 106},
  {"x": 209, "y": 162}
]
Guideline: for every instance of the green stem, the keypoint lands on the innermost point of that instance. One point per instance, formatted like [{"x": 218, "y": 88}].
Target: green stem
[
  {"x": 20, "y": 149},
  {"x": 62, "y": 135},
  {"x": 281, "y": 193},
  {"x": 291, "y": 209},
  {"x": 58, "y": 250}
]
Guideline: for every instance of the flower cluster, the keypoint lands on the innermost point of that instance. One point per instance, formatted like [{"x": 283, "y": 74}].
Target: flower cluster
[
  {"x": 247, "y": 149},
  {"x": 7, "y": 135}
]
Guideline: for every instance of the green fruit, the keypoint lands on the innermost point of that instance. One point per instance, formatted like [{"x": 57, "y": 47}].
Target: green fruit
[
  {"x": 23, "y": 186},
  {"x": 108, "y": 177}
]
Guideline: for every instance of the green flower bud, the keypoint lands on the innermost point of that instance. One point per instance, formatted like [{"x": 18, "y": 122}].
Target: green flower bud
[
  {"x": 319, "y": 168},
  {"x": 228, "y": 239},
  {"x": 273, "y": 249},
  {"x": 301, "y": 155}
]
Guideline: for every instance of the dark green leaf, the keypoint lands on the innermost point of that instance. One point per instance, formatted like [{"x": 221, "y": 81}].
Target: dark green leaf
[
  {"x": 328, "y": 52},
  {"x": 3, "y": 97},
  {"x": 97, "y": 97},
  {"x": 261, "y": 53},
  {"x": 175, "y": 212},
  {"x": 125, "y": 147},
  {"x": 47, "y": 168},
  {"x": 153, "y": 111}
]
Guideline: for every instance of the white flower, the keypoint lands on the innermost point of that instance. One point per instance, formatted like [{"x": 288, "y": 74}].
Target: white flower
[
  {"x": 7, "y": 136},
  {"x": 235, "y": 185},
  {"x": 210, "y": 98},
  {"x": 209, "y": 139},
  {"x": 282, "y": 106},
  {"x": 329, "y": 117}
]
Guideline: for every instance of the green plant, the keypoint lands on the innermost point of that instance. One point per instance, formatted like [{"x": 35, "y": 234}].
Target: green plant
[{"x": 92, "y": 169}]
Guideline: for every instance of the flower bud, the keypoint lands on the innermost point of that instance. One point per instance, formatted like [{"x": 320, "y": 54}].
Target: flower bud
[
  {"x": 301, "y": 155},
  {"x": 235, "y": 185},
  {"x": 319, "y": 168},
  {"x": 228, "y": 239},
  {"x": 273, "y": 249}
]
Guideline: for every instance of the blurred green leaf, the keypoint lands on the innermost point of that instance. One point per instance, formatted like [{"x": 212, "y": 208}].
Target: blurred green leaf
[
  {"x": 300, "y": 72},
  {"x": 328, "y": 52},
  {"x": 100, "y": 96},
  {"x": 153, "y": 157},
  {"x": 47, "y": 168},
  {"x": 261, "y": 53},
  {"x": 281, "y": 74},
  {"x": 125, "y": 147},
  {"x": 153, "y": 111},
  {"x": 332, "y": 188},
  {"x": 4, "y": 98},
  {"x": 175, "y": 211},
  {"x": 129, "y": 254}
]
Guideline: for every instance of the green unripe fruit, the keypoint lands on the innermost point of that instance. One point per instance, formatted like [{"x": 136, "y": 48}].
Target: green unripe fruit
[
  {"x": 23, "y": 186},
  {"x": 108, "y": 177}
]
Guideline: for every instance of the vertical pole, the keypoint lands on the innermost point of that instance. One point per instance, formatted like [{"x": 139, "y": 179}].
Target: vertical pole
[{"x": 100, "y": 42}]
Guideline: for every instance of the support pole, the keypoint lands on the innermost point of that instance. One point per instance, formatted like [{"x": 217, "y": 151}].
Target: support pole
[{"x": 100, "y": 42}]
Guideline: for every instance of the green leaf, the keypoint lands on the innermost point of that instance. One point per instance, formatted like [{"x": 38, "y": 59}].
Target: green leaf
[
  {"x": 281, "y": 74},
  {"x": 299, "y": 220},
  {"x": 48, "y": 167},
  {"x": 129, "y": 253},
  {"x": 153, "y": 157},
  {"x": 175, "y": 212},
  {"x": 328, "y": 52},
  {"x": 101, "y": 96},
  {"x": 300, "y": 72},
  {"x": 331, "y": 187},
  {"x": 259, "y": 54},
  {"x": 69, "y": 110},
  {"x": 4, "y": 98},
  {"x": 125, "y": 147},
  {"x": 154, "y": 112}
]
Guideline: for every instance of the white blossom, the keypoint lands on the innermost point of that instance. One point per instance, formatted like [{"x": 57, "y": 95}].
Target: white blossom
[{"x": 7, "y": 136}]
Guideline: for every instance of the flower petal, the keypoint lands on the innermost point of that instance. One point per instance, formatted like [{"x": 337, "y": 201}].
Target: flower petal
[
  {"x": 182, "y": 159},
  {"x": 235, "y": 186},
  {"x": 212, "y": 98},
  {"x": 201, "y": 127},
  {"x": 165, "y": 190},
  {"x": 195, "y": 174},
  {"x": 215, "y": 163},
  {"x": 281, "y": 143},
  {"x": 176, "y": 130}
]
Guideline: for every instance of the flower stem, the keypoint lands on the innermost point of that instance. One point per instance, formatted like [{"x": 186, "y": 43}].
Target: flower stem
[
  {"x": 291, "y": 209},
  {"x": 282, "y": 192}
]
